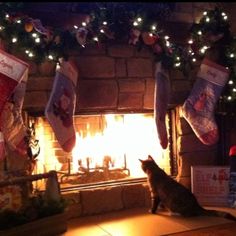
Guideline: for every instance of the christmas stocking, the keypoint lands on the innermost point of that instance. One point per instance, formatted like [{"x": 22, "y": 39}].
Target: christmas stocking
[
  {"x": 12, "y": 71},
  {"x": 161, "y": 99},
  {"x": 199, "y": 107},
  {"x": 61, "y": 105},
  {"x": 12, "y": 125}
]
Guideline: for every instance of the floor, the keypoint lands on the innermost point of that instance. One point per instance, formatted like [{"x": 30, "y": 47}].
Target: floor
[{"x": 138, "y": 222}]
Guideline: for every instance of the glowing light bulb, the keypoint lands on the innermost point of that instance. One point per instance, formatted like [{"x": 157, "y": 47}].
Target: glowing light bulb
[
  {"x": 139, "y": 19},
  {"x": 7, "y": 16},
  {"x": 207, "y": 19},
  {"x": 167, "y": 37},
  {"x": 231, "y": 81},
  {"x": 234, "y": 90},
  {"x": 75, "y": 27},
  {"x": 231, "y": 55},
  {"x": 84, "y": 23},
  {"x": 194, "y": 59},
  {"x": 150, "y": 34},
  {"x": 27, "y": 51},
  {"x": 37, "y": 40},
  {"x": 199, "y": 32},
  {"x": 1, "y": 28},
  {"x": 101, "y": 30},
  {"x": 153, "y": 27},
  {"x": 95, "y": 39},
  {"x": 14, "y": 40},
  {"x": 190, "y": 41},
  {"x": 205, "y": 13},
  {"x": 30, "y": 54},
  {"x": 225, "y": 17},
  {"x": 229, "y": 98},
  {"x": 104, "y": 23},
  {"x": 177, "y": 58},
  {"x": 135, "y": 23},
  {"x": 34, "y": 35},
  {"x": 167, "y": 43},
  {"x": 50, "y": 57},
  {"x": 223, "y": 14},
  {"x": 177, "y": 64},
  {"x": 18, "y": 21}
]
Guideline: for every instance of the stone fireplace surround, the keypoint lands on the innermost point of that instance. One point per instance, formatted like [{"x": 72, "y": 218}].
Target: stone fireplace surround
[{"x": 118, "y": 78}]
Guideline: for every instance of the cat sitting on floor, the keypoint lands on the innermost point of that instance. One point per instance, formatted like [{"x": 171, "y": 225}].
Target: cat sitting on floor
[{"x": 173, "y": 195}]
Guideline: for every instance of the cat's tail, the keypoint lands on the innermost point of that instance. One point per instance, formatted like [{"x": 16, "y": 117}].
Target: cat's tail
[{"x": 217, "y": 213}]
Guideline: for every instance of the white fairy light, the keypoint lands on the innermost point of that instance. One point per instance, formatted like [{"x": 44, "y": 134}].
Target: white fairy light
[
  {"x": 30, "y": 54},
  {"x": 75, "y": 27},
  {"x": 84, "y": 23},
  {"x": 102, "y": 31},
  {"x": 223, "y": 14},
  {"x": 34, "y": 35},
  {"x": 167, "y": 43},
  {"x": 153, "y": 27},
  {"x": 177, "y": 58},
  {"x": 167, "y": 37},
  {"x": 27, "y": 51},
  {"x": 194, "y": 59},
  {"x": 190, "y": 41},
  {"x": 37, "y": 40},
  {"x": 95, "y": 39},
  {"x": 229, "y": 98},
  {"x": 199, "y": 32},
  {"x": 177, "y": 64},
  {"x": 234, "y": 90},
  {"x": 58, "y": 66},
  {"x": 207, "y": 19},
  {"x": 18, "y": 21},
  {"x": 139, "y": 19},
  {"x": 104, "y": 23},
  {"x": 14, "y": 40},
  {"x": 50, "y": 57},
  {"x": 225, "y": 17},
  {"x": 205, "y": 13},
  {"x": 135, "y": 23},
  {"x": 231, "y": 81},
  {"x": 7, "y": 16},
  {"x": 1, "y": 28},
  {"x": 231, "y": 55},
  {"x": 151, "y": 34}
]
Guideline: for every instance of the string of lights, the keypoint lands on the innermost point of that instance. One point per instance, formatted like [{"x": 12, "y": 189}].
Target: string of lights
[{"x": 23, "y": 34}]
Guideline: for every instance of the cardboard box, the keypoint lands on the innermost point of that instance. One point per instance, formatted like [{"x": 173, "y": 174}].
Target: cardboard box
[{"x": 210, "y": 184}]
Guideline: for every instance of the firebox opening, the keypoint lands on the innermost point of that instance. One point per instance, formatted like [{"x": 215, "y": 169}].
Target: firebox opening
[{"x": 108, "y": 148}]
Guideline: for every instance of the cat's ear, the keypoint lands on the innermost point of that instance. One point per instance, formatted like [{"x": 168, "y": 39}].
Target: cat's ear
[
  {"x": 141, "y": 160},
  {"x": 150, "y": 157}
]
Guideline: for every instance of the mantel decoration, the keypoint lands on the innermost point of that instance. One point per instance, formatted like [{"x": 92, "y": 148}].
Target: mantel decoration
[{"x": 137, "y": 24}]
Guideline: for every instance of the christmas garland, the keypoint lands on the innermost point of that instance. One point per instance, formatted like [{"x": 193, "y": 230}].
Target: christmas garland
[{"x": 135, "y": 24}]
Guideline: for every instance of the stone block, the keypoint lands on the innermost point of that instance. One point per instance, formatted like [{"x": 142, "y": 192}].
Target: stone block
[
  {"x": 121, "y": 69},
  {"x": 121, "y": 50},
  {"x": 133, "y": 196},
  {"x": 92, "y": 50},
  {"x": 132, "y": 85},
  {"x": 101, "y": 94},
  {"x": 148, "y": 100},
  {"x": 47, "y": 68},
  {"x": 39, "y": 83},
  {"x": 95, "y": 201},
  {"x": 130, "y": 101},
  {"x": 139, "y": 67},
  {"x": 96, "y": 67},
  {"x": 186, "y": 160},
  {"x": 35, "y": 99},
  {"x": 190, "y": 143}
]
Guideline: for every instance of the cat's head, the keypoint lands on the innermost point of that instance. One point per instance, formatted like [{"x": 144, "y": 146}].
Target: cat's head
[{"x": 148, "y": 164}]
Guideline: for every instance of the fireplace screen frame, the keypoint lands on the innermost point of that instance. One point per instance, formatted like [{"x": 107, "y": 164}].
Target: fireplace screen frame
[{"x": 171, "y": 149}]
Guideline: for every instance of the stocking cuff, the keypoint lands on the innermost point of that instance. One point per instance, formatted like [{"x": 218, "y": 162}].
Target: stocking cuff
[
  {"x": 12, "y": 67},
  {"x": 213, "y": 72},
  {"x": 68, "y": 69}
]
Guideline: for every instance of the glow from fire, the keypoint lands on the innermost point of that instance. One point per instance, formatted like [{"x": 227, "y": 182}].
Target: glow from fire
[{"x": 123, "y": 139}]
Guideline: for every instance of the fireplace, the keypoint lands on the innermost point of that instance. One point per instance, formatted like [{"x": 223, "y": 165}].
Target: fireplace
[{"x": 108, "y": 148}]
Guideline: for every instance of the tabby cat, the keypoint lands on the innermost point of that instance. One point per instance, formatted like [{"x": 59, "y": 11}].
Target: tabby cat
[{"x": 173, "y": 195}]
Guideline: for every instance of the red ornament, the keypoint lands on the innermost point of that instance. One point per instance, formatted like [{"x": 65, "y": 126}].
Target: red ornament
[
  {"x": 232, "y": 151},
  {"x": 29, "y": 27},
  {"x": 149, "y": 38}
]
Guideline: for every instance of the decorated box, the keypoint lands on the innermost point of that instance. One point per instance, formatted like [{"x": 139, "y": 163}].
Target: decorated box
[{"x": 210, "y": 184}]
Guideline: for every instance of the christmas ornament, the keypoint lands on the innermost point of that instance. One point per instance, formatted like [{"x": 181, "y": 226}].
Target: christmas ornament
[
  {"x": 81, "y": 36},
  {"x": 149, "y": 38}
]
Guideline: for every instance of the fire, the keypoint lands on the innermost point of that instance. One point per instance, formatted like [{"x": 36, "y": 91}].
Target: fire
[{"x": 125, "y": 139}]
